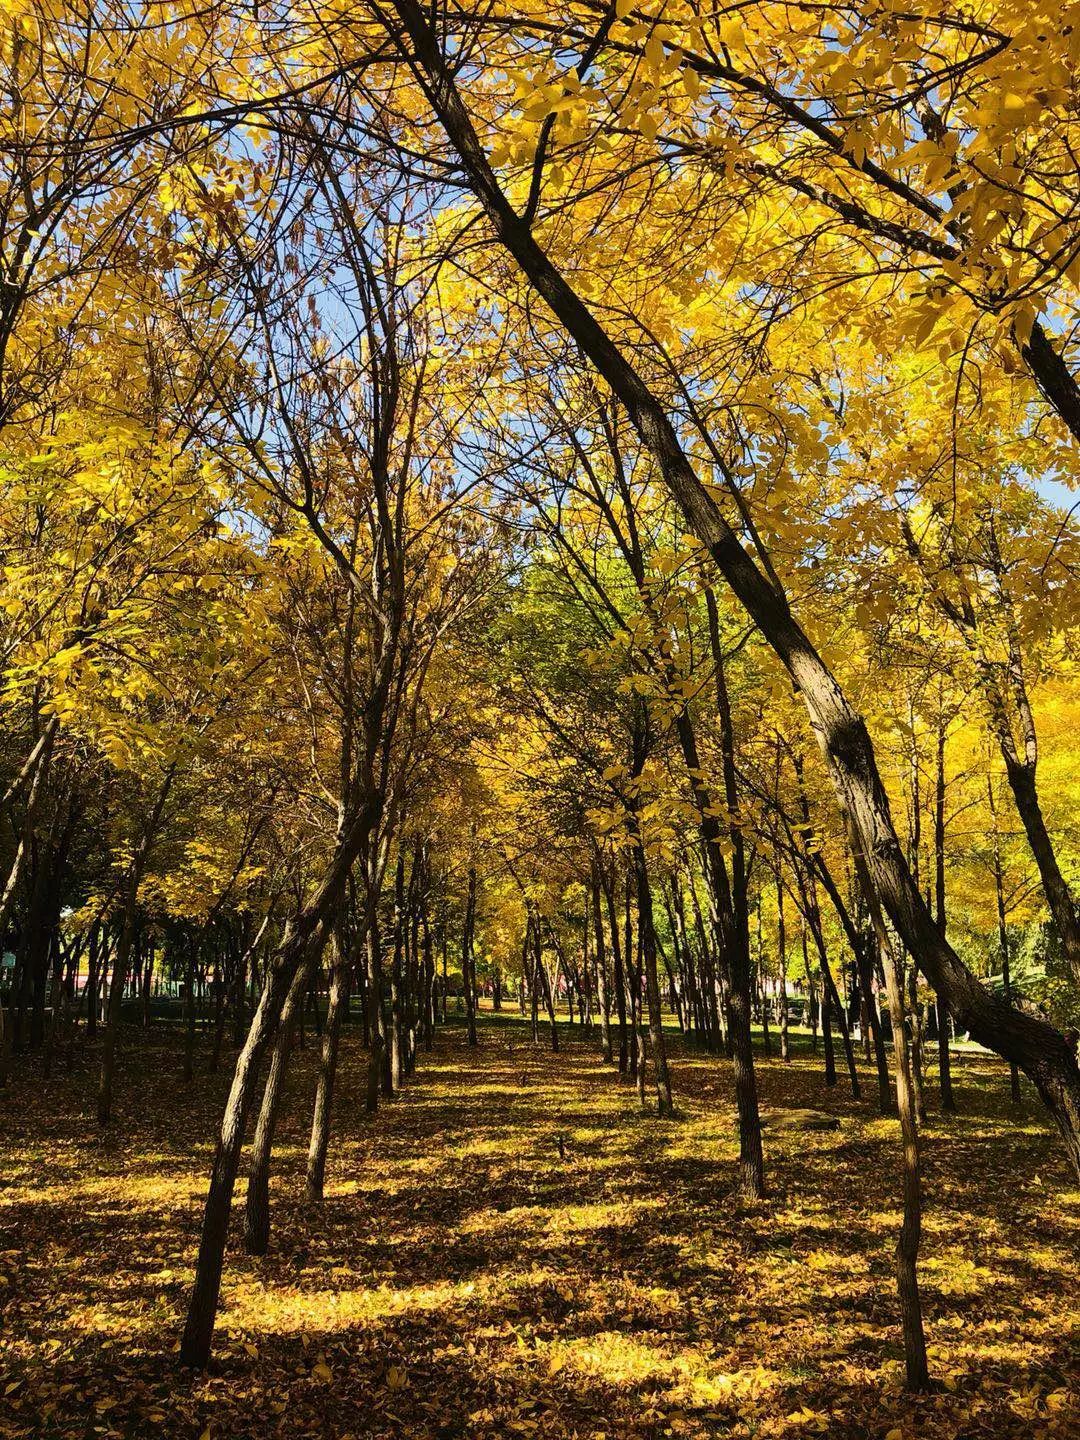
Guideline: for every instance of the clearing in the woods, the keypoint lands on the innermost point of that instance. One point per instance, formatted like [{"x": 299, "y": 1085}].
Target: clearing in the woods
[{"x": 512, "y": 1248}]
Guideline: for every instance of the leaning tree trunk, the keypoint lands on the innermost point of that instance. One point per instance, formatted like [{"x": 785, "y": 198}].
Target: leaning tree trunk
[
  {"x": 202, "y": 1307},
  {"x": 1037, "y": 1047},
  {"x": 257, "y": 1203},
  {"x": 303, "y": 933},
  {"x": 864, "y": 965}
]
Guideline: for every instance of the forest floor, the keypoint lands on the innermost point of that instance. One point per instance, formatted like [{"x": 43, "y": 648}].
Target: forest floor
[{"x": 462, "y": 1279}]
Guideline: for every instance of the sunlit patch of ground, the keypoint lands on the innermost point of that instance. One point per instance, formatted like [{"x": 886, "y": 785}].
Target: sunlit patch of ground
[{"x": 511, "y": 1248}]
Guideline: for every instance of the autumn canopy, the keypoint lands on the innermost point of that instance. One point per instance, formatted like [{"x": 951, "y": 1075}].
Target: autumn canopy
[{"x": 538, "y": 664}]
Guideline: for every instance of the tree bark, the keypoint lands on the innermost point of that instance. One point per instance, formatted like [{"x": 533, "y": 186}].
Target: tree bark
[
  {"x": 257, "y": 1204},
  {"x": 324, "y": 1092},
  {"x": 907, "y": 1247},
  {"x": 600, "y": 955},
  {"x": 306, "y": 931},
  {"x": 948, "y": 1101},
  {"x": 468, "y": 976},
  {"x": 664, "y": 1104}
]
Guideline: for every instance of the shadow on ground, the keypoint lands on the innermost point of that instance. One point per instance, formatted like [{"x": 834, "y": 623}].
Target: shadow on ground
[{"x": 463, "y": 1278}]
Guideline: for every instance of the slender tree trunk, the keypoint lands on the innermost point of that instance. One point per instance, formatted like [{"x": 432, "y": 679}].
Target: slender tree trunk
[
  {"x": 304, "y": 933},
  {"x": 543, "y": 981},
  {"x": 148, "y": 985},
  {"x": 377, "y": 1036},
  {"x": 602, "y": 991},
  {"x": 324, "y": 1093},
  {"x": 831, "y": 1003},
  {"x": 397, "y": 1057},
  {"x": 664, "y": 1103},
  {"x": 781, "y": 940},
  {"x": 35, "y": 771},
  {"x": 189, "y": 1008},
  {"x": 468, "y": 978},
  {"x": 873, "y": 1020},
  {"x": 914, "y": 1013},
  {"x": 948, "y": 1101},
  {"x": 93, "y": 979},
  {"x": 811, "y": 1000},
  {"x": 116, "y": 1000},
  {"x": 202, "y": 1307},
  {"x": 1019, "y": 752},
  {"x": 618, "y": 975},
  {"x": 1003, "y": 931},
  {"x": 732, "y": 904},
  {"x": 257, "y": 1204},
  {"x": 907, "y": 1247},
  {"x": 430, "y": 1000},
  {"x": 57, "y": 996},
  {"x": 1059, "y": 898}
]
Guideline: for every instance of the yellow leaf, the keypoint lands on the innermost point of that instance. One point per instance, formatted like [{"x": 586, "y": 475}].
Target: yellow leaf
[
  {"x": 731, "y": 34},
  {"x": 1024, "y": 322}
]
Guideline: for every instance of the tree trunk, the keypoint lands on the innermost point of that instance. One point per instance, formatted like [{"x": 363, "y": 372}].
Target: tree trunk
[
  {"x": 397, "y": 1042},
  {"x": 1058, "y": 895},
  {"x": 664, "y": 1103},
  {"x": 907, "y": 1246},
  {"x": 1003, "y": 931},
  {"x": 468, "y": 978},
  {"x": 602, "y": 991},
  {"x": 189, "y": 1008},
  {"x": 376, "y": 1023},
  {"x": 543, "y": 981},
  {"x": 257, "y": 1204},
  {"x": 914, "y": 1014},
  {"x": 873, "y": 1018},
  {"x": 781, "y": 940},
  {"x": 324, "y": 1093},
  {"x": 733, "y": 909},
  {"x": 618, "y": 976},
  {"x": 305, "y": 932},
  {"x": 116, "y": 999}
]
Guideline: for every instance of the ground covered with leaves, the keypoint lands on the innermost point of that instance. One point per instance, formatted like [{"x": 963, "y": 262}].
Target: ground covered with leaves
[{"x": 465, "y": 1278}]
